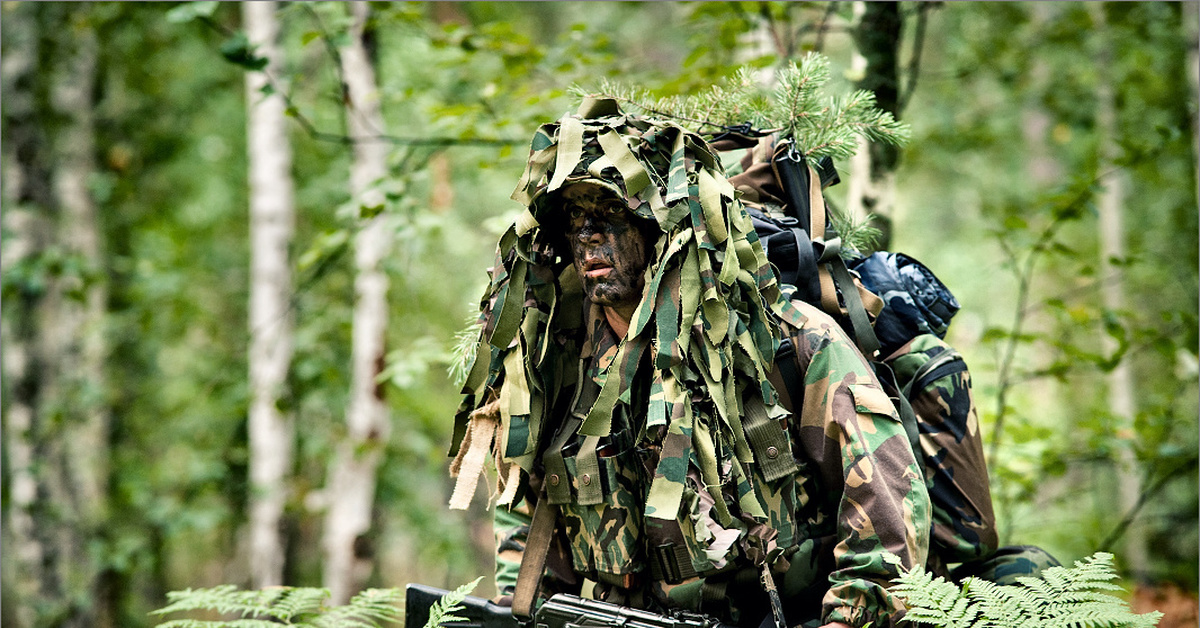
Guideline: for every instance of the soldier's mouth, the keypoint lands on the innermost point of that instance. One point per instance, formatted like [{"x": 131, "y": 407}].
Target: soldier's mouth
[{"x": 596, "y": 268}]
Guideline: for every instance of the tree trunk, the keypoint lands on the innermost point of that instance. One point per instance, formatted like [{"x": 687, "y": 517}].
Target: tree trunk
[
  {"x": 872, "y": 186},
  {"x": 27, "y": 234},
  {"x": 351, "y": 485},
  {"x": 272, "y": 218},
  {"x": 1121, "y": 394},
  {"x": 57, "y": 425}
]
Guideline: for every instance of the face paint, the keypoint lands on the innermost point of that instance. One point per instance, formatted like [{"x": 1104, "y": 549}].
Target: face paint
[{"x": 610, "y": 250}]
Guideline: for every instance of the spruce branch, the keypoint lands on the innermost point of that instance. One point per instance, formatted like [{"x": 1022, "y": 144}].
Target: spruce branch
[{"x": 797, "y": 108}]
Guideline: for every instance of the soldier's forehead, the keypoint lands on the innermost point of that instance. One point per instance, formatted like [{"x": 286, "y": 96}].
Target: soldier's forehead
[{"x": 586, "y": 193}]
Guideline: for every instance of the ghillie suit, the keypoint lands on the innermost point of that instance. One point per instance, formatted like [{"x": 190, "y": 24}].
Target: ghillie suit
[{"x": 680, "y": 478}]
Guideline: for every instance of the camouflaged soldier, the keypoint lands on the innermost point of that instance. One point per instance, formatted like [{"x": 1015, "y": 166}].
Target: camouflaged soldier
[{"x": 622, "y": 385}]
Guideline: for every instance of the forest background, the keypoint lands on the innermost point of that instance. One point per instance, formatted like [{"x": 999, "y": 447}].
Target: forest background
[{"x": 173, "y": 419}]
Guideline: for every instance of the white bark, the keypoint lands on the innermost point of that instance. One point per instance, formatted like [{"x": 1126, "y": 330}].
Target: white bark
[
  {"x": 351, "y": 485},
  {"x": 80, "y": 327},
  {"x": 56, "y": 428},
  {"x": 272, "y": 218},
  {"x": 1121, "y": 393},
  {"x": 26, "y": 232}
]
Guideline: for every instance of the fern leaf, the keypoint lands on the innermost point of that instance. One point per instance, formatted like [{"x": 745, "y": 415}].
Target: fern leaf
[
  {"x": 235, "y": 623},
  {"x": 365, "y": 610},
  {"x": 1061, "y": 598},
  {"x": 441, "y": 612}
]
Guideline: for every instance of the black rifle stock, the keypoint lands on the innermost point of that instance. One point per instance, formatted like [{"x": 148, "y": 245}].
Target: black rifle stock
[{"x": 560, "y": 611}]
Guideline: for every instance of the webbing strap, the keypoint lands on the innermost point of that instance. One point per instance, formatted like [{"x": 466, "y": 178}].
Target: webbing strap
[
  {"x": 908, "y": 418},
  {"x": 768, "y": 440},
  {"x": 671, "y": 563},
  {"x": 864, "y": 334},
  {"x": 785, "y": 377},
  {"x": 533, "y": 559}
]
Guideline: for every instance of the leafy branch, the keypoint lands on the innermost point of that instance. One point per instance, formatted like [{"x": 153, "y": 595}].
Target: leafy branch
[
  {"x": 237, "y": 50},
  {"x": 797, "y": 108}
]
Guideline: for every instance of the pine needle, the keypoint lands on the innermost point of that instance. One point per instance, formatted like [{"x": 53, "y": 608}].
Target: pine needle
[{"x": 797, "y": 108}]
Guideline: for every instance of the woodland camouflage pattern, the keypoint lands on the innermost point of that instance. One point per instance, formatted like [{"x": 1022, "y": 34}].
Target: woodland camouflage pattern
[
  {"x": 667, "y": 451},
  {"x": 964, "y": 527}
]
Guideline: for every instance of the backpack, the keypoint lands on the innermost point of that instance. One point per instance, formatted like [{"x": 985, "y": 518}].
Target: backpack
[{"x": 883, "y": 301}]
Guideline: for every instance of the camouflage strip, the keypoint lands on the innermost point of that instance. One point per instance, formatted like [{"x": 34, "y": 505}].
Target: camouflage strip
[
  {"x": 670, "y": 478},
  {"x": 510, "y": 300},
  {"x": 570, "y": 149},
  {"x": 706, "y": 458},
  {"x": 468, "y": 466},
  {"x": 635, "y": 176}
]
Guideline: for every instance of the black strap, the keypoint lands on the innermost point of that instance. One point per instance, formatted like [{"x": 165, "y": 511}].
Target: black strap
[{"x": 786, "y": 377}]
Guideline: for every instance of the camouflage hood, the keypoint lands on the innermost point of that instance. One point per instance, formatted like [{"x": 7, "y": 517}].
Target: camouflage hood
[{"x": 707, "y": 314}]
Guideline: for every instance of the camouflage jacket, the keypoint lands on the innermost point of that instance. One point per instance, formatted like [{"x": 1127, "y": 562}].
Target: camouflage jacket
[
  {"x": 964, "y": 527},
  {"x": 854, "y": 513}
]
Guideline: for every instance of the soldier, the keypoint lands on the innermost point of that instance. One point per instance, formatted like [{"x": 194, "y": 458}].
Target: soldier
[{"x": 624, "y": 386}]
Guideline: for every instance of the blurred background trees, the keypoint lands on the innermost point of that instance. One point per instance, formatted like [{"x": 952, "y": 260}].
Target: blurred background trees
[{"x": 1051, "y": 183}]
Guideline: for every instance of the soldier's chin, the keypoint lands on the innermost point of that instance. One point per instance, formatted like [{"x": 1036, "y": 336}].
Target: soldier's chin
[{"x": 606, "y": 295}]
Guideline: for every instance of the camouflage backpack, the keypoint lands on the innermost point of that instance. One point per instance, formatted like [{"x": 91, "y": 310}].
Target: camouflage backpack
[{"x": 889, "y": 299}]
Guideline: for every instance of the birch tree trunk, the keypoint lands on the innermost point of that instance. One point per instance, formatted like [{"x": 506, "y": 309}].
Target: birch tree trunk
[
  {"x": 27, "y": 233},
  {"x": 57, "y": 427},
  {"x": 1121, "y": 393},
  {"x": 872, "y": 186},
  {"x": 351, "y": 485},
  {"x": 272, "y": 218}
]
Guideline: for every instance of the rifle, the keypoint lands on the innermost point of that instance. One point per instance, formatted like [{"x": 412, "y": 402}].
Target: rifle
[{"x": 560, "y": 611}]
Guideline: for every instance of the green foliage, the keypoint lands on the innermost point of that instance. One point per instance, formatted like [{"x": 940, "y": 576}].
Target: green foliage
[
  {"x": 1063, "y": 597},
  {"x": 442, "y": 611},
  {"x": 303, "y": 607},
  {"x": 822, "y": 125}
]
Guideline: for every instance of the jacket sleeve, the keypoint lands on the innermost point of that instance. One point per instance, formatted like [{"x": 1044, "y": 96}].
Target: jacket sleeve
[{"x": 850, "y": 430}]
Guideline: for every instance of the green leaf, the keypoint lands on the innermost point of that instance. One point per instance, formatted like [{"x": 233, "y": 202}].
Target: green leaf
[
  {"x": 237, "y": 50},
  {"x": 188, "y": 11}
]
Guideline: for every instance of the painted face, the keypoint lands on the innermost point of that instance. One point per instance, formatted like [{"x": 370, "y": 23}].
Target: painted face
[{"x": 610, "y": 250}]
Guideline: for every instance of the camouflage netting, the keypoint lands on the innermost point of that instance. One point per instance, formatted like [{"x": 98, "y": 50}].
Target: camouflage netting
[{"x": 706, "y": 315}]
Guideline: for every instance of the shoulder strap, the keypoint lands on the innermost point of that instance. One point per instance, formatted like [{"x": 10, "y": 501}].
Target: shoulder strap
[
  {"x": 533, "y": 559},
  {"x": 899, "y": 396}
]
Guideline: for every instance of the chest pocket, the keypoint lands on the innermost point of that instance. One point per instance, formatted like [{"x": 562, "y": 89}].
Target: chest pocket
[{"x": 603, "y": 506}]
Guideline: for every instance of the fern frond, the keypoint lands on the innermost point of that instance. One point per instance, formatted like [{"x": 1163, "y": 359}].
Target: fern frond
[
  {"x": 303, "y": 607},
  {"x": 236, "y": 623},
  {"x": 365, "y": 610},
  {"x": 441, "y": 612},
  {"x": 228, "y": 600},
  {"x": 1061, "y": 598}
]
